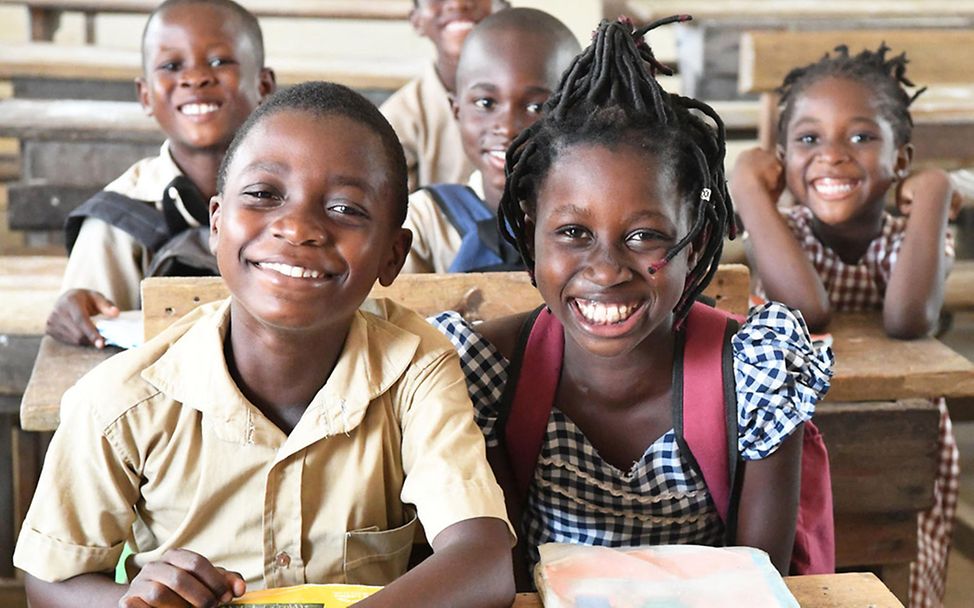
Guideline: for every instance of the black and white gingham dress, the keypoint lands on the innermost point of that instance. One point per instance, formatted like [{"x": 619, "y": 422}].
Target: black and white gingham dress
[{"x": 577, "y": 497}]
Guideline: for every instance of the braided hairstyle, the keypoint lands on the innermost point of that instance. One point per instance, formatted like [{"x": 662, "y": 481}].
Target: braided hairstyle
[
  {"x": 609, "y": 96},
  {"x": 886, "y": 77}
]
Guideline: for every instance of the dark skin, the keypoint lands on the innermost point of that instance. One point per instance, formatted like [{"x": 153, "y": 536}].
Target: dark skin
[
  {"x": 446, "y": 24},
  {"x": 591, "y": 262},
  {"x": 301, "y": 234},
  {"x": 201, "y": 82},
  {"x": 840, "y": 158}
]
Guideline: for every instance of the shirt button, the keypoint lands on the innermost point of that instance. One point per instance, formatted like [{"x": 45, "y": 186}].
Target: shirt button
[{"x": 283, "y": 559}]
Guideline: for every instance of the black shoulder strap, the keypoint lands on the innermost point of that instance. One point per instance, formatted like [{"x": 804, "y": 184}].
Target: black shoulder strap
[
  {"x": 136, "y": 217},
  {"x": 514, "y": 373}
]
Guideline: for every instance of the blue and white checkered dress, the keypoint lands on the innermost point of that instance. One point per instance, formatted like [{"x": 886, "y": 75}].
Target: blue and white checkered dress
[{"x": 576, "y": 497}]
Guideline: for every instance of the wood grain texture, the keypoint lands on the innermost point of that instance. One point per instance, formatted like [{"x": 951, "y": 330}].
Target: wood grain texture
[
  {"x": 320, "y": 9},
  {"x": 871, "y": 366},
  {"x": 63, "y": 61},
  {"x": 766, "y": 56},
  {"x": 883, "y": 455}
]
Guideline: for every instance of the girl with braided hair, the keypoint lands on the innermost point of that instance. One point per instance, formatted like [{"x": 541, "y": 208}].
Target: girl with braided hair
[
  {"x": 616, "y": 199},
  {"x": 843, "y": 149}
]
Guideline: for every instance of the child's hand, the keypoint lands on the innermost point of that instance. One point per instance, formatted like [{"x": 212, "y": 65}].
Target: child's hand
[
  {"x": 926, "y": 187},
  {"x": 70, "y": 321},
  {"x": 182, "y": 578},
  {"x": 756, "y": 171}
]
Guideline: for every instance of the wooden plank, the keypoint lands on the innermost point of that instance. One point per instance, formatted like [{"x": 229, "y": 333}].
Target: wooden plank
[
  {"x": 69, "y": 120},
  {"x": 43, "y": 206},
  {"x": 875, "y": 539},
  {"x": 29, "y": 286},
  {"x": 17, "y": 355},
  {"x": 767, "y": 56},
  {"x": 477, "y": 295},
  {"x": 959, "y": 287},
  {"x": 319, "y": 9},
  {"x": 66, "y": 62},
  {"x": 762, "y": 11},
  {"x": 58, "y": 366},
  {"x": 883, "y": 455},
  {"x": 871, "y": 366}
]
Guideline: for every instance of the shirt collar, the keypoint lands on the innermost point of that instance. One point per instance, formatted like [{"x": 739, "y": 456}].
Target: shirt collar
[
  {"x": 476, "y": 183},
  {"x": 193, "y": 371}
]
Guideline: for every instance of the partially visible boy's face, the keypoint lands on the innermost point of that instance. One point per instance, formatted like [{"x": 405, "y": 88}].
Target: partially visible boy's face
[
  {"x": 447, "y": 22},
  {"x": 306, "y": 221},
  {"x": 201, "y": 79},
  {"x": 503, "y": 79}
]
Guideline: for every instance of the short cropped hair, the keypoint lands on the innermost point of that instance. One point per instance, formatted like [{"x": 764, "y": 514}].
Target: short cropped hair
[{"x": 249, "y": 24}]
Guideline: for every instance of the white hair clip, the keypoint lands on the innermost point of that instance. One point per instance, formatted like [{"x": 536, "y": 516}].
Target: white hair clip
[{"x": 705, "y": 195}]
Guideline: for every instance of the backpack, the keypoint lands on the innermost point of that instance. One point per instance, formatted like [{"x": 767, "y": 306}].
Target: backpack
[
  {"x": 704, "y": 419},
  {"x": 481, "y": 248},
  {"x": 176, "y": 248}
]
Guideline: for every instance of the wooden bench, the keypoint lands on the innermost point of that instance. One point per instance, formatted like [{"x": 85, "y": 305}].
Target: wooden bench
[
  {"x": 944, "y": 120},
  {"x": 45, "y": 15},
  {"x": 709, "y": 44},
  {"x": 44, "y": 70}
]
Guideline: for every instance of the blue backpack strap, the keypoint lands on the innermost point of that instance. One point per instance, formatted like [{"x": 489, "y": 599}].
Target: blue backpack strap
[
  {"x": 481, "y": 247},
  {"x": 138, "y": 218}
]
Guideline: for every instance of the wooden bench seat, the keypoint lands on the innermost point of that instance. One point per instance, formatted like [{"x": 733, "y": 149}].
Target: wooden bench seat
[
  {"x": 45, "y": 15},
  {"x": 48, "y": 70}
]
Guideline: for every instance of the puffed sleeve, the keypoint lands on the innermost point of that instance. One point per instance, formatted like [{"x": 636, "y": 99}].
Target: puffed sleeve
[
  {"x": 484, "y": 367},
  {"x": 780, "y": 376}
]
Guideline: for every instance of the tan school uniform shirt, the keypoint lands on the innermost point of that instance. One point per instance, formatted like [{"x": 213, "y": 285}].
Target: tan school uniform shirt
[
  {"x": 109, "y": 260},
  {"x": 420, "y": 113},
  {"x": 159, "y": 448},
  {"x": 435, "y": 240}
]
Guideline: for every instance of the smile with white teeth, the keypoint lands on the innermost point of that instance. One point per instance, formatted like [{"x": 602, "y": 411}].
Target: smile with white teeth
[
  {"x": 833, "y": 187},
  {"x": 458, "y": 26},
  {"x": 287, "y": 270},
  {"x": 198, "y": 109},
  {"x": 599, "y": 313}
]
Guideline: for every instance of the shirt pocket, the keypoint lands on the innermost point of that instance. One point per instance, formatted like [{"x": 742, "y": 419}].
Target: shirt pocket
[{"x": 377, "y": 557}]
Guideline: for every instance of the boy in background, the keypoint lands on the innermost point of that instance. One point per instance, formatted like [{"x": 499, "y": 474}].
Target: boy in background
[
  {"x": 420, "y": 111},
  {"x": 509, "y": 66},
  {"x": 204, "y": 74}
]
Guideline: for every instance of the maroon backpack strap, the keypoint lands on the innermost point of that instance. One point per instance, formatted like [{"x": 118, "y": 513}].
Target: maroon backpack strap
[
  {"x": 530, "y": 392},
  {"x": 705, "y": 402}
]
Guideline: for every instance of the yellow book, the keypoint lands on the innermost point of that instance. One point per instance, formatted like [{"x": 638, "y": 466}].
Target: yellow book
[{"x": 306, "y": 596}]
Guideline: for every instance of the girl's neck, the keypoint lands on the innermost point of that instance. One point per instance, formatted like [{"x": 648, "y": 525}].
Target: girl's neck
[
  {"x": 851, "y": 239},
  {"x": 280, "y": 372},
  {"x": 200, "y": 166},
  {"x": 624, "y": 381}
]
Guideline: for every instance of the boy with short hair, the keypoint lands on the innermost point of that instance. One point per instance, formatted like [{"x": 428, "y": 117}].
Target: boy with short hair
[
  {"x": 204, "y": 73},
  {"x": 510, "y": 64},
  {"x": 289, "y": 434},
  {"x": 420, "y": 111}
]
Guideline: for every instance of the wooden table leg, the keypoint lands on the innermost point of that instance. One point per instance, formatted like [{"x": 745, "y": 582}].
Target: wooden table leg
[{"x": 8, "y": 421}]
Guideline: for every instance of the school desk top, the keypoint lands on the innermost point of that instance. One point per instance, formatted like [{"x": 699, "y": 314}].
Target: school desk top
[
  {"x": 870, "y": 366},
  {"x": 851, "y": 590}
]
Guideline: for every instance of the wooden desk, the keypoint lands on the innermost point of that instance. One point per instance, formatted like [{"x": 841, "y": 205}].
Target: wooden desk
[
  {"x": 709, "y": 44},
  {"x": 45, "y": 15},
  {"x": 852, "y": 590},
  {"x": 870, "y": 366}
]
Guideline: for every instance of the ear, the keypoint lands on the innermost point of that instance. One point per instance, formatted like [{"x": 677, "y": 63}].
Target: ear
[
  {"x": 904, "y": 159},
  {"x": 779, "y": 153},
  {"x": 454, "y": 105},
  {"x": 401, "y": 241},
  {"x": 415, "y": 21},
  {"x": 142, "y": 92},
  {"x": 267, "y": 83},
  {"x": 215, "y": 216}
]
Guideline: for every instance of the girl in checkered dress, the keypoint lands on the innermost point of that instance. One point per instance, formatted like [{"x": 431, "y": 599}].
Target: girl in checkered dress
[
  {"x": 617, "y": 201},
  {"x": 843, "y": 149}
]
